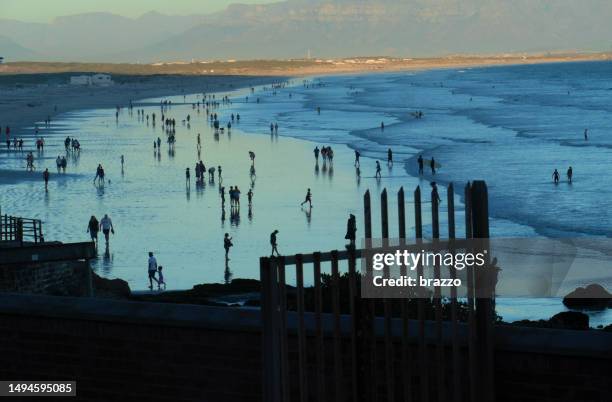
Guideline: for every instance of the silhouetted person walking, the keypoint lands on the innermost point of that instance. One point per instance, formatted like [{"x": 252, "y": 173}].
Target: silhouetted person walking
[
  {"x": 106, "y": 226},
  {"x": 570, "y": 174},
  {"x": 93, "y": 227},
  {"x": 274, "y": 243},
  {"x": 152, "y": 270},
  {"x": 307, "y": 199}
]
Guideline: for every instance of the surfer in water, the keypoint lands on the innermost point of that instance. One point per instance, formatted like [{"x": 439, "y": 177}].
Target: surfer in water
[
  {"x": 555, "y": 176},
  {"x": 586, "y": 134}
]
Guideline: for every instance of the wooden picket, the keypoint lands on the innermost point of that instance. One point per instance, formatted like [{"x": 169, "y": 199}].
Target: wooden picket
[{"x": 356, "y": 355}]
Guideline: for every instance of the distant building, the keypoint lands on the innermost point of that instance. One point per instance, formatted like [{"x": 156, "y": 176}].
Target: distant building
[
  {"x": 96, "y": 79},
  {"x": 1, "y": 60}
]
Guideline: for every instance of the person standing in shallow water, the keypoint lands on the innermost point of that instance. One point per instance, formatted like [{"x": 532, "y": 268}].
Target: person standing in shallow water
[
  {"x": 555, "y": 176},
  {"x": 389, "y": 157},
  {"x": 420, "y": 163},
  {"x": 46, "y": 178},
  {"x": 378, "y": 175},
  {"x": 93, "y": 227},
  {"x": 106, "y": 226},
  {"x": 434, "y": 192},
  {"x": 570, "y": 174},
  {"x": 274, "y": 244},
  {"x": 432, "y": 165},
  {"x": 227, "y": 244},
  {"x": 357, "y": 155}
]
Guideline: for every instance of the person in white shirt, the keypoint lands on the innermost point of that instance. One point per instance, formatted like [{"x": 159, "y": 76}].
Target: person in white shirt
[
  {"x": 106, "y": 227},
  {"x": 152, "y": 270}
]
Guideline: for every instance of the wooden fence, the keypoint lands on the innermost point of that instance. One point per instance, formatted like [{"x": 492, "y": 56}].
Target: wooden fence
[
  {"x": 347, "y": 348},
  {"x": 15, "y": 229}
]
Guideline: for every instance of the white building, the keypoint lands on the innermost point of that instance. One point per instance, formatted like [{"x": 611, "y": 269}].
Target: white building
[{"x": 96, "y": 79}]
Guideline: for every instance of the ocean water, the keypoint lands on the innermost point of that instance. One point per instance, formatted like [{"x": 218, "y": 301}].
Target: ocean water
[{"x": 511, "y": 126}]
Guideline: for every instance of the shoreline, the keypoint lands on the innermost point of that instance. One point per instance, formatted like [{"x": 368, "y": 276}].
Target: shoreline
[
  {"x": 32, "y": 103},
  {"x": 50, "y": 81}
]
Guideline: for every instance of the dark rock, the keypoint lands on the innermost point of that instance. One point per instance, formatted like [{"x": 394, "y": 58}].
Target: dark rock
[
  {"x": 208, "y": 294},
  {"x": 574, "y": 320},
  {"x": 593, "y": 297},
  {"x": 110, "y": 288},
  {"x": 570, "y": 320}
]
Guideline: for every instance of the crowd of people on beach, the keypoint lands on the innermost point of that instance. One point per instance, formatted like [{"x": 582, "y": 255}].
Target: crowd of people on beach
[{"x": 210, "y": 106}]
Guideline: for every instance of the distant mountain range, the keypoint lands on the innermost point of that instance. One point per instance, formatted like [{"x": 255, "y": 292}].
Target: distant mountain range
[{"x": 340, "y": 28}]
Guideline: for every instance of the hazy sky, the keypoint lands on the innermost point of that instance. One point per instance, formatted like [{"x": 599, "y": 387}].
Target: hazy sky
[{"x": 46, "y": 10}]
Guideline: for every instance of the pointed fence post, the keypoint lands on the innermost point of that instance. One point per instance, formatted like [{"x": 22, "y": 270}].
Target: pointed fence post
[{"x": 485, "y": 307}]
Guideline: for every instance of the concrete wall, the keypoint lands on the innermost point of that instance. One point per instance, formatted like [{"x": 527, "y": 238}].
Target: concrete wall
[{"x": 119, "y": 350}]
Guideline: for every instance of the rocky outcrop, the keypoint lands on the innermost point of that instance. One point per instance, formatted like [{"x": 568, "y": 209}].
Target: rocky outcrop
[
  {"x": 110, "y": 288},
  {"x": 570, "y": 320},
  {"x": 592, "y": 297}
]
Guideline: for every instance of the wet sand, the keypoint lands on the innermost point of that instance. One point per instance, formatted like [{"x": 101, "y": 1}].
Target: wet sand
[{"x": 32, "y": 98}]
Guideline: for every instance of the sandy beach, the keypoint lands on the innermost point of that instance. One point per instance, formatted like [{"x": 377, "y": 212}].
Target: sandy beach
[{"x": 32, "y": 98}]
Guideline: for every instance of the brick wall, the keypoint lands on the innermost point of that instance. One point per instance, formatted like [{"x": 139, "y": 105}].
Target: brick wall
[{"x": 60, "y": 278}]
